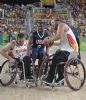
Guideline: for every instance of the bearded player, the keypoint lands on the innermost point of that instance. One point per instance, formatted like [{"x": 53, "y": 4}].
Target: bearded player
[{"x": 68, "y": 45}]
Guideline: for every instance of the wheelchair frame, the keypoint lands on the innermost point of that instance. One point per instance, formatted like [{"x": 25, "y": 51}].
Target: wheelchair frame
[{"x": 40, "y": 73}]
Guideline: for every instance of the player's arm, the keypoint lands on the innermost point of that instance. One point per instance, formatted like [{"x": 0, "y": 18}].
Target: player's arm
[
  {"x": 60, "y": 31},
  {"x": 57, "y": 42},
  {"x": 6, "y": 49}
]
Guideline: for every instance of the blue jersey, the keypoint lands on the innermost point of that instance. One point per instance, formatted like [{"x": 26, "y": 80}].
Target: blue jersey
[{"x": 38, "y": 40}]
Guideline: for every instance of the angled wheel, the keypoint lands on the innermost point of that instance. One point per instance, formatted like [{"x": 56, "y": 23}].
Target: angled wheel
[
  {"x": 45, "y": 69},
  {"x": 74, "y": 73},
  {"x": 8, "y": 73}
]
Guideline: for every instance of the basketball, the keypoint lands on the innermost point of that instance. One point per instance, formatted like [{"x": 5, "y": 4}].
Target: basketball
[{"x": 48, "y": 43}]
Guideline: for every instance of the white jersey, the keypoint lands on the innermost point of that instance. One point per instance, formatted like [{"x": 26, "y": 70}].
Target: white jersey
[
  {"x": 20, "y": 51},
  {"x": 68, "y": 41}
]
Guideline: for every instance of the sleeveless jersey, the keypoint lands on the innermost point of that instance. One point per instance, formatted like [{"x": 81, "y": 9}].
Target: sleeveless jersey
[
  {"x": 68, "y": 41},
  {"x": 20, "y": 51},
  {"x": 38, "y": 40}
]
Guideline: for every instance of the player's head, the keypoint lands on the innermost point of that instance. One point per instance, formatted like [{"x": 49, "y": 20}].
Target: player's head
[
  {"x": 20, "y": 38},
  {"x": 55, "y": 22},
  {"x": 40, "y": 28}
]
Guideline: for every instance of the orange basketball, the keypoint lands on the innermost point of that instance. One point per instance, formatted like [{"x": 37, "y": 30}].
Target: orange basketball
[{"x": 46, "y": 43}]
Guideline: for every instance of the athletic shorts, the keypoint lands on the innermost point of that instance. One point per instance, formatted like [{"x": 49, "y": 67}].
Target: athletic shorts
[{"x": 37, "y": 53}]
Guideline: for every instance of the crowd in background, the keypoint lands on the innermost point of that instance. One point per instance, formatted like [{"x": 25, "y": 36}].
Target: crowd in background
[
  {"x": 16, "y": 15},
  {"x": 77, "y": 9},
  {"x": 15, "y": 11},
  {"x": 12, "y": 20}
]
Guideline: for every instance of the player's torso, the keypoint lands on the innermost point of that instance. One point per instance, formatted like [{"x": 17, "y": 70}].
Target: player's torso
[
  {"x": 38, "y": 39},
  {"x": 65, "y": 45},
  {"x": 20, "y": 50}
]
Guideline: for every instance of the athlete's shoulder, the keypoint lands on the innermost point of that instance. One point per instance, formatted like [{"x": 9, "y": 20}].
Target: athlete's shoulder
[
  {"x": 34, "y": 32},
  {"x": 46, "y": 34},
  {"x": 10, "y": 45}
]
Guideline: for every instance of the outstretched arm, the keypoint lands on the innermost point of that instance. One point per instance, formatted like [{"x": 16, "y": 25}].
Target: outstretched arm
[
  {"x": 6, "y": 49},
  {"x": 60, "y": 31}
]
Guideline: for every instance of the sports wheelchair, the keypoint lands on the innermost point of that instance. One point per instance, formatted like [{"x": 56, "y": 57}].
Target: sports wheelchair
[{"x": 74, "y": 72}]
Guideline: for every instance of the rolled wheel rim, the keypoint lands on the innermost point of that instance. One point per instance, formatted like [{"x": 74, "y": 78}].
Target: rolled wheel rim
[
  {"x": 74, "y": 73},
  {"x": 8, "y": 73}
]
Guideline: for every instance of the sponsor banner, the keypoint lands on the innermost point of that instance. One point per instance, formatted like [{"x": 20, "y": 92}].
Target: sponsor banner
[
  {"x": 42, "y": 15},
  {"x": 47, "y": 1}
]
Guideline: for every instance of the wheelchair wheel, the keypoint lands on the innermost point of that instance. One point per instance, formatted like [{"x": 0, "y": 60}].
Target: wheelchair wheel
[
  {"x": 8, "y": 73},
  {"x": 45, "y": 68},
  {"x": 74, "y": 73}
]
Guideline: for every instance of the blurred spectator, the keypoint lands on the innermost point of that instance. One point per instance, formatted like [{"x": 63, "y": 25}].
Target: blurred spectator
[
  {"x": 14, "y": 16},
  {"x": 77, "y": 31}
]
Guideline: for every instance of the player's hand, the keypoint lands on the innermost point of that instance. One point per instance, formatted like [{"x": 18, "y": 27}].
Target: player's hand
[
  {"x": 51, "y": 42},
  {"x": 48, "y": 42}
]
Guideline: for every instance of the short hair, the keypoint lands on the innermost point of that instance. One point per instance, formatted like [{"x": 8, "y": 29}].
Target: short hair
[{"x": 20, "y": 36}]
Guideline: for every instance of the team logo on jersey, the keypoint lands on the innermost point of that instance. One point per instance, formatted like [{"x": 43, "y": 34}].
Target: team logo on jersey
[
  {"x": 39, "y": 42},
  {"x": 71, "y": 42},
  {"x": 21, "y": 50}
]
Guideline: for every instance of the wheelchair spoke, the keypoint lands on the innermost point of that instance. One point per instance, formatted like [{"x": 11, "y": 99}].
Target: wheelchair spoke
[
  {"x": 73, "y": 74},
  {"x": 8, "y": 73}
]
